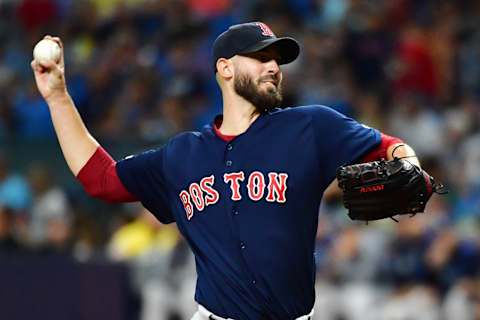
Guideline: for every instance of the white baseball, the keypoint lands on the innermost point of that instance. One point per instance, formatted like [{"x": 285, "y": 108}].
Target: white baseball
[{"x": 46, "y": 50}]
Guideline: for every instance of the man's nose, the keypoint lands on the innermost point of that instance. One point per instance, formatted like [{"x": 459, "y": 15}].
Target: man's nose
[{"x": 272, "y": 66}]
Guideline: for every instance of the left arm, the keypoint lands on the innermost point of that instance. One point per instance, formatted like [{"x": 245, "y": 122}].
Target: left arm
[
  {"x": 389, "y": 148},
  {"x": 402, "y": 150}
]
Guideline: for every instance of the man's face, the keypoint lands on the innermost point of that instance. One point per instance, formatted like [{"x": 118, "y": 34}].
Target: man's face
[{"x": 258, "y": 79}]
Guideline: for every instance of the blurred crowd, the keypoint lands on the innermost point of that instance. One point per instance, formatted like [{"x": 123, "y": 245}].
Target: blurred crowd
[{"x": 140, "y": 70}]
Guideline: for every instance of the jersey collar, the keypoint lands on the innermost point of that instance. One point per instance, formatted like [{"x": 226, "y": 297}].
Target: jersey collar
[{"x": 217, "y": 122}]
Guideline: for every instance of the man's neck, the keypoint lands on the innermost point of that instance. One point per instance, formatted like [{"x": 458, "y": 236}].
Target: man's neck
[{"x": 238, "y": 115}]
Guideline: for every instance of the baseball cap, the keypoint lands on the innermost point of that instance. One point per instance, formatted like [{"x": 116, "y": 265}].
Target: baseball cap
[{"x": 252, "y": 37}]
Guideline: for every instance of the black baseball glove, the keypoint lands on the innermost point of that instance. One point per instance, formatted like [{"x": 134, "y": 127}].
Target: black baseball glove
[{"x": 383, "y": 189}]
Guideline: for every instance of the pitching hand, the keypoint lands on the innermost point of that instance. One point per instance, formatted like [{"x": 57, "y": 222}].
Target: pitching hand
[{"x": 50, "y": 76}]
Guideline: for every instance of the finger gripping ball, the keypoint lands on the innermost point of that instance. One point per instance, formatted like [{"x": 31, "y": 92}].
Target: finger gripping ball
[{"x": 46, "y": 50}]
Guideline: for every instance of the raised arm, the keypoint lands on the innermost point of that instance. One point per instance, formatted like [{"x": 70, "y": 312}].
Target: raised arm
[
  {"x": 76, "y": 142},
  {"x": 93, "y": 166}
]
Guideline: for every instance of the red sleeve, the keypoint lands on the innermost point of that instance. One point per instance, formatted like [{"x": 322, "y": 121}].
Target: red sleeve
[
  {"x": 380, "y": 152},
  {"x": 100, "y": 180}
]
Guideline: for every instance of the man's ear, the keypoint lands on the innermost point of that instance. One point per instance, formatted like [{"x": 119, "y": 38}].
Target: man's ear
[{"x": 225, "y": 68}]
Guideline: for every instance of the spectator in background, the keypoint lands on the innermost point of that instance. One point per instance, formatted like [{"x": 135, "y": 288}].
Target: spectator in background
[
  {"x": 367, "y": 44},
  {"x": 142, "y": 235},
  {"x": 405, "y": 269},
  {"x": 415, "y": 71},
  {"x": 403, "y": 264},
  {"x": 51, "y": 218},
  {"x": 6, "y": 82},
  {"x": 14, "y": 189},
  {"x": 415, "y": 122},
  {"x": 31, "y": 116},
  {"x": 466, "y": 209},
  {"x": 5, "y": 118},
  {"x": 168, "y": 117},
  {"x": 461, "y": 121},
  {"x": 463, "y": 300},
  {"x": 355, "y": 258},
  {"x": 8, "y": 243},
  {"x": 468, "y": 56},
  {"x": 450, "y": 259},
  {"x": 162, "y": 265},
  {"x": 470, "y": 156},
  {"x": 34, "y": 14},
  {"x": 323, "y": 76},
  {"x": 415, "y": 303}
]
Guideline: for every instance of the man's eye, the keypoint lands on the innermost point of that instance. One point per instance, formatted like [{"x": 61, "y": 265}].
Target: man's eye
[{"x": 263, "y": 58}]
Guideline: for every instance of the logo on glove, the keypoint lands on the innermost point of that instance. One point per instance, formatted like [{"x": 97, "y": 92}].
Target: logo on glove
[{"x": 378, "y": 187}]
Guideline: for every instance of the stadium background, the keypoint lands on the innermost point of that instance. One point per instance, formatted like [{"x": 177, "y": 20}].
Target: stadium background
[{"x": 139, "y": 71}]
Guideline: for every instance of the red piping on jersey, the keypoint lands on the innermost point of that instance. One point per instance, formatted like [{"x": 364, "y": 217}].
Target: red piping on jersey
[
  {"x": 216, "y": 127},
  {"x": 380, "y": 152},
  {"x": 99, "y": 178}
]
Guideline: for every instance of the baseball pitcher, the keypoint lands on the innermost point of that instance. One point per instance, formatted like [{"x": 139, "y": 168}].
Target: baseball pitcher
[{"x": 245, "y": 190}]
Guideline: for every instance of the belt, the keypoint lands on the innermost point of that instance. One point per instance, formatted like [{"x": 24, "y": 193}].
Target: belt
[{"x": 211, "y": 316}]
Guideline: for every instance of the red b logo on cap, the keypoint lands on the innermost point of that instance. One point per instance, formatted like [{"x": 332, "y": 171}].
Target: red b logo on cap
[{"x": 265, "y": 29}]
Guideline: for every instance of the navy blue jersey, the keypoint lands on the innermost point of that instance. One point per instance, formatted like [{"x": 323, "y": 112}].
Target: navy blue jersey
[{"x": 249, "y": 207}]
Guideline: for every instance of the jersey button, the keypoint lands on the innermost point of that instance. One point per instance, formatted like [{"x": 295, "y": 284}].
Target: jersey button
[
  {"x": 242, "y": 245},
  {"x": 229, "y": 147},
  {"x": 228, "y": 163},
  {"x": 254, "y": 281},
  {"x": 235, "y": 213}
]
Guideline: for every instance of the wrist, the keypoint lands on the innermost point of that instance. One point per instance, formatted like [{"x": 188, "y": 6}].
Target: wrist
[
  {"x": 58, "y": 97},
  {"x": 402, "y": 151}
]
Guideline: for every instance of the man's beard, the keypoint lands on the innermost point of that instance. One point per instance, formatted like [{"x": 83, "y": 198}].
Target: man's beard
[{"x": 262, "y": 101}]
